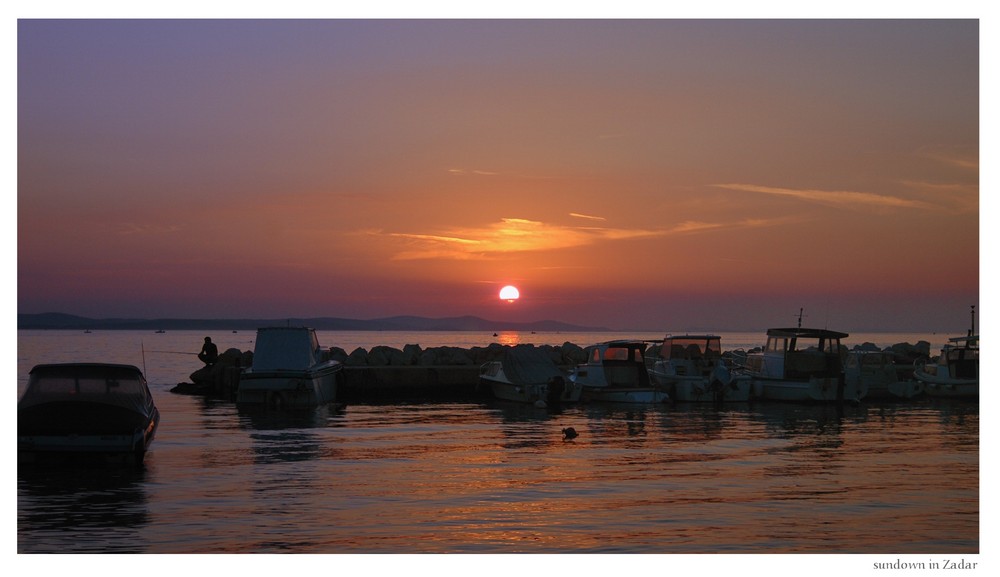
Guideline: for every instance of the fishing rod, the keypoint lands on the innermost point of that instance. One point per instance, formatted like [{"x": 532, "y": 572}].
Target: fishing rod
[{"x": 175, "y": 352}]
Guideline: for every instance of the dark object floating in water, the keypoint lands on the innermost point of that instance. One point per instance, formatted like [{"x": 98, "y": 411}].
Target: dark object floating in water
[{"x": 569, "y": 433}]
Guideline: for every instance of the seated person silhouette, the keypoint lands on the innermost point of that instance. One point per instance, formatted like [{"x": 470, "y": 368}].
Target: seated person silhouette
[{"x": 209, "y": 352}]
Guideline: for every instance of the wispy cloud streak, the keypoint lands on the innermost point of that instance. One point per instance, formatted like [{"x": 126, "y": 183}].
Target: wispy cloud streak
[
  {"x": 838, "y": 198},
  {"x": 516, "y": 235},
  {"x": 463, "y": 172}
]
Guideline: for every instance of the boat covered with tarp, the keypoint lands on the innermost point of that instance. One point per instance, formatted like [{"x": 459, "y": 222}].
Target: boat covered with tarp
[
  {"x": 85, "y": 409},
  {"x": 526, "y": 374},
  {"x": 289, "y": 370}
]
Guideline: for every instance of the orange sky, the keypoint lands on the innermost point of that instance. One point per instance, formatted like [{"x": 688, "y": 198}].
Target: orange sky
[{"x": 655, "y": 175}]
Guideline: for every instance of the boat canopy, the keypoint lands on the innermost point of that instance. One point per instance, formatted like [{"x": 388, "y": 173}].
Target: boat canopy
[
  {"x": 806, "y": 333},
  {"x": 285, "y": 348},
  {"x": 692, "y": 347},
  {"x": 799, "y": 339},
  {"x": 616, "y": 351},
  {"x": 525, "y": 364},
  {"x": 108, "y": 384}
]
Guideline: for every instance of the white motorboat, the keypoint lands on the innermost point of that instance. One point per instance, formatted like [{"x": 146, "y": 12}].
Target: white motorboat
[
  {"x": 288, "y": 371},
  {"x": 89, "y": 411},
  {"x": 691, "y": 369},
  {"x": 881, "y": 374},
  {"x": 802, "y": 364},
  {"x": 956, "y": 371},
  {"x": 615, "y": 372},
  {"x": 527, "y": 375}
]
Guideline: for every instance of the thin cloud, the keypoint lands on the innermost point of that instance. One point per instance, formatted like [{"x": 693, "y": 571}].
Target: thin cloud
[
  {"x": 954, "y": 198},
  {"x": 511, "y": 235},
  {"x": 463, "y": 171},
  {"x": 436, "y": 238},
  {"x": 130, "y": 228},
  {"x": 967, "y": 162},
  {"x": 506, "y": 236},
  {"x": 844, "y": 199},
  {"x": 586, "y": 216}
]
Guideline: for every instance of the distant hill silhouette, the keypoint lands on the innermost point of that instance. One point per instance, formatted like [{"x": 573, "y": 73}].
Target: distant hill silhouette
[{"x": 398, "y": 323}]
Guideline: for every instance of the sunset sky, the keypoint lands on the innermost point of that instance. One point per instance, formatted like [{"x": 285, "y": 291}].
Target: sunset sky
[{"x": 633, "y": 174}]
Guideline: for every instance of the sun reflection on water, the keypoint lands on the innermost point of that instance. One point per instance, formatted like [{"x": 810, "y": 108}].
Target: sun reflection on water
[{"x": 509, "y": 338}]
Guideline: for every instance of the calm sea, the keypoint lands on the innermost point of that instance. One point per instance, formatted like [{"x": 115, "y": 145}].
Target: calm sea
[{"x": 886, "y": 479}]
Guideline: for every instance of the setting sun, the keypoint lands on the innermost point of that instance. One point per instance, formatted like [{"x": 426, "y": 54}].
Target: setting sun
[{"x": 509, "y": 293}]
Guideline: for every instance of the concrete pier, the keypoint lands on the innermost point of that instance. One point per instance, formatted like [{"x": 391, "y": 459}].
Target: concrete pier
[{"x": 388, "y": 383}]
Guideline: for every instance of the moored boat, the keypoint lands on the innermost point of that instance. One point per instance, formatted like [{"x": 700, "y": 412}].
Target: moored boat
[
  {"x": 527, "y": 375},
  {"x": 615, "y": 372},
  {"x": 691, "y": 369},
  {"x": 881, "y": 374},
  {"x": 92, "y": 411},
  {"x": 956, "y": 371},
  {"x": 288, "y": 371},
  {"x": 802, "y": 364}
]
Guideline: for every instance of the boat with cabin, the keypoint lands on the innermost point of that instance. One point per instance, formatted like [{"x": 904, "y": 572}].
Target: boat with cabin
[
  {"x": 526, "y": 374},
  {"x": 881, "y": 372},
  {"x": 690, "y": 368},
  {"x": 615, "y": 372},
  {"x": 802, "y": 364},
  {"x": 289, "y": 370},
  {"x": 955, "y": 373},
  {"x": 94, "y": 412}
]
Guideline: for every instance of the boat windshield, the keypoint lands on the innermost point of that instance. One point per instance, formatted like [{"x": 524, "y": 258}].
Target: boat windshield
[
  {"x": 112, "y": 386},
  {"x": 620, "y": 354},
  {"x": 58, "y": 385},
  {"x": 799, "y": 344}
]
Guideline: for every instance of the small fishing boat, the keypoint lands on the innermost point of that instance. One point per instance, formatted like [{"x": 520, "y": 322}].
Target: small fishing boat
[
  {"x": 882, "y": 375},
  {"x": 956, "y": 371},
  {"x": 691, "y": 369},
  {"x": 288, "y": 371},
  {"x": 527, "y": 375},
  {"x": 91, "y": 411},
  {"x": 802, "y": 364},
  {"x": 615, "y": 372}
]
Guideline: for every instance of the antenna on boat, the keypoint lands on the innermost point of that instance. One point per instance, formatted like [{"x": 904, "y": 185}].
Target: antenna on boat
[
  {"x": 143, "y": 348},
  {"x": 972, "y": 330},
  {"x": 800, "y": 317}
]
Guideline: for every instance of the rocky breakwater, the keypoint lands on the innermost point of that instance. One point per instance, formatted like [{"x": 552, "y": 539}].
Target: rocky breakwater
[
  {"x": 413, "y": 373},
  {"x": 384, "y": 373},
  {"x": 388, "y": 373},
  {"x": 219, "y": 379}
]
